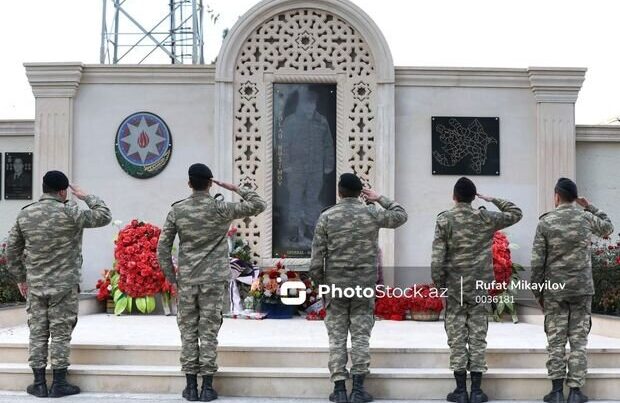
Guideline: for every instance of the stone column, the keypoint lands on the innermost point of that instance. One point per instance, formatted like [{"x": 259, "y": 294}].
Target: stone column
[
  {"x": 556, "y": 92},
  {"x": 54, "y": 86}
]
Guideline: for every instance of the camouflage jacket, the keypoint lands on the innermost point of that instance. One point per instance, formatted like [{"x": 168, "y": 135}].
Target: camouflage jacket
[
  {"x": 44, "y": 247},
  {"x": 463, "y": 243},
  {"x": 345, "y": 244},
  {"x": 202, "y": 223},
  {"x": 561, "y": 253}
]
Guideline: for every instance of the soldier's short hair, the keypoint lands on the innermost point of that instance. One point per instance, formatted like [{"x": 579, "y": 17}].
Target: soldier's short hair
[
  {"x": 567, "y": 190},
  {"x": 199, "y": 183},
  {"x": 465, "y": 190}
]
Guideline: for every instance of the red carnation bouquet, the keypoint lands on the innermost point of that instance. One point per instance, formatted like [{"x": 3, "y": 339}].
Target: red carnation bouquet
[
  {"x": 425, "y": 298},
  {"x": 507, "y": 275},
  {"x": 502, "y": 261},
  {"x": 136, "y": 277},
  {"x": 391, "y": 307}
]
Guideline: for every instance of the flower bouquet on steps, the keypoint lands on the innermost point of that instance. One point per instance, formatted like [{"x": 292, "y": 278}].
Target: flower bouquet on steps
[
  {"x": 136, "y": 278},
  {"x": 425, "y": 304},
  {"x": 267, "y": 289},
  {"x": 506, "y": 276}
]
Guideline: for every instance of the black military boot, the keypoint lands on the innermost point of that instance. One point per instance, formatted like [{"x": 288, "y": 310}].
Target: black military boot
[
  {"x": 60, "y": 386},
  {"x": 576, "y": 396},
  {"x": 359, "y": 394},
  {"x": 207, "y": 393},
  {"x": 557, "y": 392},
  {"x": 460, "y": 393},
  {"x": 39, "y": 387},
  {"x": 190, "y": 392},
  {"x": 477, "y": 395},
  {"x": 339, "y": 395}
]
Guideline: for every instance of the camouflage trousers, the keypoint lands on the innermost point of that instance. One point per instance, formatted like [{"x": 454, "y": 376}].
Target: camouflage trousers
[
  {"x": 51, "y": 315},
  {"x": 568, "y": 320},
  {"x": 466, "y": 327},
  {"x": 355, "y": 316},
  {"x": 199, "y": 317}
]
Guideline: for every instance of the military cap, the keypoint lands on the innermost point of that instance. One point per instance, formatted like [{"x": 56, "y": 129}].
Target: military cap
[
  {"x": 200, "y": 171},
  {"x": 56, "y": 180},
  {"x": 351, "y": 182},
  {"x": 567, "y": 188}
]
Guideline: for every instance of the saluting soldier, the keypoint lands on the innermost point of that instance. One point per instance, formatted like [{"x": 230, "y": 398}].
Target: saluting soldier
[
  {"x": 44, "y": 254},
  {"x": 461, "y": 255},
  {"x": 201, "y": 222},
  {"x": 344, "y": 254},
  {"x": 561, "y": 255}
]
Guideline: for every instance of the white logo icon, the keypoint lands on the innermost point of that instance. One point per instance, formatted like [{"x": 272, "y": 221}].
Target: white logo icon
[{"x": 293, "y": 285}]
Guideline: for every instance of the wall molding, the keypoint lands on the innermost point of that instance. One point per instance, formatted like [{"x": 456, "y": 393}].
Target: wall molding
[
  {"x": 148, "y": 74},
  {"x": 598, "y": 133},
  {"x": 17, "y": 127}
]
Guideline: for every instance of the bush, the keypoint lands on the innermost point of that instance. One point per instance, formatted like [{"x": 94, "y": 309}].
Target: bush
[
  {"x": 9, "y": 292},
  {"x": 606, "y": 275}
]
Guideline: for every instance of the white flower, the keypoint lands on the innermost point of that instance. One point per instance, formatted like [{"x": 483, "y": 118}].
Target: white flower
[
  {"x": 284, "y": 277},
  {"x": 267, "y": 293},
  {"x": 265, "y": 280},
  {"x": 109, "y": 287}
]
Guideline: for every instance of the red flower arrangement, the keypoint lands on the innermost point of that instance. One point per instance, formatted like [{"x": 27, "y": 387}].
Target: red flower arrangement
[
  {"x": 502, "y": 261},
  {"x": 318, "y": 315},
  {"x": 136, "y": 261},
  {"x": 104, "y": 287},
  {"x": 425, "y": 299},
  {"x": 391, "y": 307}
]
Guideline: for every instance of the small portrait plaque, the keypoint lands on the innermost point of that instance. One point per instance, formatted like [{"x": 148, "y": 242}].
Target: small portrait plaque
[{"x": 18, "y": 176}]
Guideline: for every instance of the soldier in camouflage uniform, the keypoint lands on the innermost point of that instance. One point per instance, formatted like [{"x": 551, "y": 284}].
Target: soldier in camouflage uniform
[
  {"x": 561, "y": 255},
  {"x": 344, "y": 254},
  {"x": 461, "y": 255},
  {"x": 201, "y": 222},
  {"x": 44, "y": 254}
]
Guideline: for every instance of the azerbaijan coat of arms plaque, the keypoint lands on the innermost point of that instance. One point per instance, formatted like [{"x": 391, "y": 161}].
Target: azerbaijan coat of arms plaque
[{"x": 143, "y": 145}]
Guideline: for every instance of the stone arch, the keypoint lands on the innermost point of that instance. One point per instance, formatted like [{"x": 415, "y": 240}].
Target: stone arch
[{"x": 303, "y": 41}]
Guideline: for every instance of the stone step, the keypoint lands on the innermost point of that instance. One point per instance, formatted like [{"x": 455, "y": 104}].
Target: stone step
[
  {"x": 295, "y": 382},
  {"x": 307, "y": 357}
]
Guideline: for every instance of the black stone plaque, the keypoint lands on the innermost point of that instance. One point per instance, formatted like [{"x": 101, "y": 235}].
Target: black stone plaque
[
  {"x": 465, "y": 146},
  {"x": 18, "y": 176},
  {"x": 304, "y": 163}
]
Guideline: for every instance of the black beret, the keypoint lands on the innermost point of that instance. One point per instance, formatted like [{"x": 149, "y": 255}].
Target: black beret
[
  {"x": 200, "y": 171},
  {"x": 56, "y": 180},
  {"x": 351, "y": 182},
  {"x": 567, "y": 188},
  {"x": 465, "y": 188}
]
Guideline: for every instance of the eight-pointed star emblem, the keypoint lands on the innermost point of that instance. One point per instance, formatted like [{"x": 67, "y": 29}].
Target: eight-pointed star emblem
[{"x": 143, "y": 139}]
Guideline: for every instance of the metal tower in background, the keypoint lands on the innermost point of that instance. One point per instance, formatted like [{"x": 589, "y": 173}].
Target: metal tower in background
[{"x": 134, "y": 31}]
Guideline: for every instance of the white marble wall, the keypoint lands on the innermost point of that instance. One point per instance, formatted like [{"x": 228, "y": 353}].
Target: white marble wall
[
  {"x": 598, "y": 164},
  {"x": 425, "y": 195},
  {"x": 188, "y": 111}
]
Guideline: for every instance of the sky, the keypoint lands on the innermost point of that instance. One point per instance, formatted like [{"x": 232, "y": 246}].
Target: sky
[{"x": 463, "y": 33}]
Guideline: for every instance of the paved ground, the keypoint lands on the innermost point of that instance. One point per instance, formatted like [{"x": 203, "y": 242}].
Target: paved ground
[{"x": 10, "y": 397}]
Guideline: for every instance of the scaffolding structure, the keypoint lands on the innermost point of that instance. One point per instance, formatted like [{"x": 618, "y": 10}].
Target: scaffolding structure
[{"x": 176, "y": 33}]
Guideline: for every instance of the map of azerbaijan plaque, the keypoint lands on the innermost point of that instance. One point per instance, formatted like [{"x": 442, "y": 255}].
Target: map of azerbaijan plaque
[
  {"x": 465, "y": 145},
  {"x": 143, "y": 145}
]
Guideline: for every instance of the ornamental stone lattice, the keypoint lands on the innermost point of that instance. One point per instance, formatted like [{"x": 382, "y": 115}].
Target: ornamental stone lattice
[{"x": 301, "y": 45}]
